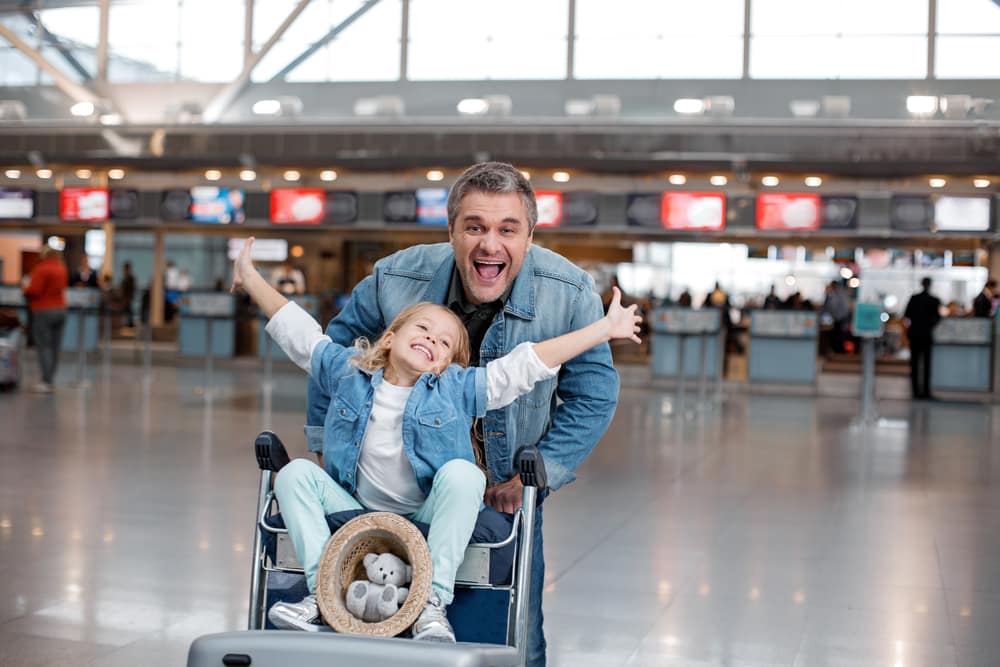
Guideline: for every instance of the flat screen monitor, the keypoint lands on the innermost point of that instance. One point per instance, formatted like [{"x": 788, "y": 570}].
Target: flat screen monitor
[
  {"x": 550, "y": 208},
  {"x": 124, "y": 204},
  {"x": 643, "y": 209},
  {"x": 400, "y": 206},
  {"x": 175, "y": 205},
  {"x": 217, "y": 206},
  {"x": 341, "y": 207},
  {"x": 693, "y": 211},
  {"x": 838, "y": 212},
  {"x": 297, "y": 206},
  {"x": 264, "y": 250},
  {"x": 788, "y": 212},
  {"x": 17, "y": 204},
  {"x": 911, "y": 213},
  {"x": 579, "y": 209},
  {"x": 962, "y": 214},
  {"x": 83, "y": 204},
  {"x": 432, "y": 206}
]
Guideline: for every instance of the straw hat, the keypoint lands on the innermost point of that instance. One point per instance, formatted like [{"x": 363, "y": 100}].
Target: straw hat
[{"x": 342, "y": 564}]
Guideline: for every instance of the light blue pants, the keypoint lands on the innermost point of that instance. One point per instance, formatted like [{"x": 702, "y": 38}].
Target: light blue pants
[{"x": 306, "y": 494}]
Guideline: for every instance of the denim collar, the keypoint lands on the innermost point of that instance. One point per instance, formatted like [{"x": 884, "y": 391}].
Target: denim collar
[{"x": 521, "y": 302}]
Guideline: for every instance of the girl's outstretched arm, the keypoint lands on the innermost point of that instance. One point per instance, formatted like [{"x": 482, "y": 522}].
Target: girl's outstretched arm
[
  {"x": 247, "y": 278},
  {"x": 620, "y": 322}
]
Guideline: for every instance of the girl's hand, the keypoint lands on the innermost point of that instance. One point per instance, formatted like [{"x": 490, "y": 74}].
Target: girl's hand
[
  {"x": 243, "y": 267},
  {"x": 622, "y": 322}
]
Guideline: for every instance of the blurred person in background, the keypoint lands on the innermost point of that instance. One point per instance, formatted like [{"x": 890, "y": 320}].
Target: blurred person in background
[
  {"x": 84, "y": 276},
  {"x": 127, "y": 289},
  {"x": 923, "y": 312},
  {"x": 287, "y": 279},
  {"x": 982, "y": 305},
  {"x": 771, "y": 301},
  {"x": 45, "y": 290},
  {"x": 838, "y": 307}
]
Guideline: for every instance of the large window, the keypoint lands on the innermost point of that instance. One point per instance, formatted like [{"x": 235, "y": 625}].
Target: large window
[
  {"x": 365, "y": 50},
  {"x": 658, "y": 39},
  {"x": 485, "y": 39},
  {"x": 968, "y": 40},
  {"x": 850, "y": 39}
]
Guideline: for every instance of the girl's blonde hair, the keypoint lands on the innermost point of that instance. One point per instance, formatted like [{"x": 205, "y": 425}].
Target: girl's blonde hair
[{"x": 374, "y": 356}]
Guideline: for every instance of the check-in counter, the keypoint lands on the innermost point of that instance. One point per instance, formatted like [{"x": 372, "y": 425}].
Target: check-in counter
[
  {"x": 265, "y": 345},
  {"x": 960, "y": 358},
  {"x": 83, "y": 312},
  {"x": 686, "y": 339},
  {"x": 206, "y": 323},
  {"x": 12, "y": 298},
  {"x": 783, "y": 346}
]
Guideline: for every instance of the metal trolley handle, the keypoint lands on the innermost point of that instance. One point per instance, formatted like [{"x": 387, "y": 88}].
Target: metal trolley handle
[{"x": 530, "y": 466}]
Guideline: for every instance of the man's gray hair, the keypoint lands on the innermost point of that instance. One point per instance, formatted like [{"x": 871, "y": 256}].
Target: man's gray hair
[{"x": 497, "y": 178}]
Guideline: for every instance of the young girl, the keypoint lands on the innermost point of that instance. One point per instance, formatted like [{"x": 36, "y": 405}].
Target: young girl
[{"x": 396, "y": 436}]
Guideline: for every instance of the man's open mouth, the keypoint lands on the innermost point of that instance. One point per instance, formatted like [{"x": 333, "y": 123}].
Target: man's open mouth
[{"x": 488, "y": 270}]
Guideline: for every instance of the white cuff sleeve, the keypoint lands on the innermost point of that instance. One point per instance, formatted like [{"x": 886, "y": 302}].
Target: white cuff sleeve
[
  {"x": 514, "y": 374},
  {"x": 297, "y": 333}
]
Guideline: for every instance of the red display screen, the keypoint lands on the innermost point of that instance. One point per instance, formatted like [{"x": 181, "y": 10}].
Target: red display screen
[
  {"x": 83, "y": 204},
  {"x": 297, "y": 206},
  {"x": 700, "y": 211},
  {"x": 550, "y": 208},
  {"x": 788, "y": 212}
]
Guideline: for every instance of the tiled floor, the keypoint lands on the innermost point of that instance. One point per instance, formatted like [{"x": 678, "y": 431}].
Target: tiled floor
[{"x": 763, "y": 531}]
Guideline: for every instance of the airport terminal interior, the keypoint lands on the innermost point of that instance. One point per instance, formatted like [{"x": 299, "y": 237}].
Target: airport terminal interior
[{"x": 803, "y": 468}]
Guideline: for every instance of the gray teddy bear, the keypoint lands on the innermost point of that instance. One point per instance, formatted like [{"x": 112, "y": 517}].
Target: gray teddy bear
[{"x": 380, "y": 597}]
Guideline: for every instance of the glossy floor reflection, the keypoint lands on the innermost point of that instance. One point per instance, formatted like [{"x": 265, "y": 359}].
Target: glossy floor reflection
[{"x": 763, "y": 531}]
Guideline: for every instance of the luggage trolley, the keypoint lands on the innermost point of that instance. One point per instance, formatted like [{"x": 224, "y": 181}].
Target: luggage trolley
[{"x": 489, "y": 613}]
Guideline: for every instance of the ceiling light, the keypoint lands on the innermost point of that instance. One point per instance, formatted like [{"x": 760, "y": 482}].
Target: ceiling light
[
  {"x": 853, "y": 283},
  {"x": 212, "y": 174},
  {"x": 527, "y": 175},
  {"x": 836, "y": 106},
  {"x": 296, "y": 251},
  {"x": 814, "y": 181},
  {"x": 110, "y": 119},
  {"x": 560, "y": 176},
  {"x": 981, "y": 182},
  {"x": 328, "y": 175},
  {"x": 790, "y": 280},
  {"x": 82, "y": 109},
  {"x": 718, "y": 180},
  {"x": 689, "y": 106},
  {"x": 435, "y": 175},
  {"x": 116, "y": 174},
  {"x": 83, "y": 173},
  {"x": 248, "y": 175},
  {"x": 291, "y": 175},
  {"x": 846, "y": 273},
  {"x": 12, "y": 173},
  {"x": 44, "y": 173},
  {"x": 472, "y": 106},
  {"x": 380, "y": 105},
  {"x": 804, "y": 108},
  {"x": 677, "y": 179},
  {"x": 769, "y": 181},
  {"x": 937, "y": 182},
  {"x": 922, "y": 105},
  {"x": 266, "y": 107},
  {"x": 956, "y": 106}
]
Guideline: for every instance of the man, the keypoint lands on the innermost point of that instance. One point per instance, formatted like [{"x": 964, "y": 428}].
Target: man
[
  {"x": 127, "y": 289},
  {"x": 84, "y": 276},
  {"x": 921, "y": 316},
  {"x": 287, "y": 279},
  {"x": 982, "y": 305},
  {"x": 506, "y": 291}
]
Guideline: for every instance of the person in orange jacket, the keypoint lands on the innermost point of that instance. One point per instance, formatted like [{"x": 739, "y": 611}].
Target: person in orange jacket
[{"x": 45, "y": 290}]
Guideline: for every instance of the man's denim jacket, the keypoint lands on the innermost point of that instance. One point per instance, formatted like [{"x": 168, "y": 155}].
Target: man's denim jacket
[
  {"x": 565, "y": 416},
  {"x": 435, "y": 420}
]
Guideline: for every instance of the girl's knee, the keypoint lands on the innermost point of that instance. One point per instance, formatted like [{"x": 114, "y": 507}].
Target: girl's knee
[
  {"x": 461, "y": 472},
  {"x": 293, "y": 474}
]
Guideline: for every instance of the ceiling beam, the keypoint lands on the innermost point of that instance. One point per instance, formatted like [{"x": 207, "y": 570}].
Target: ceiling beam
[
  {"x": 73, "y": 90},
  {"x": 225, "y": 97},
  {"x": 326, "y": 39}
]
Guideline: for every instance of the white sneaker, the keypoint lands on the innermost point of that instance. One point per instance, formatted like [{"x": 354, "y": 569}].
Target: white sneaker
[
  {"x": 42, "y": 388},
  {"x": 432, "y": 625},
  {"x": 303, "y": 615}
]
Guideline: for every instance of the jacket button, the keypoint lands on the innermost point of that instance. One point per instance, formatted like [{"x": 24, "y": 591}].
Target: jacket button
[
  {"x": 343, "y": 412},
  {"x": 437, "y": 421}
]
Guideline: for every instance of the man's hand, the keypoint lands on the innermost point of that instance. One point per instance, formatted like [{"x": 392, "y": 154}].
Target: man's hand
[{"x": 505, "y": 497}]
